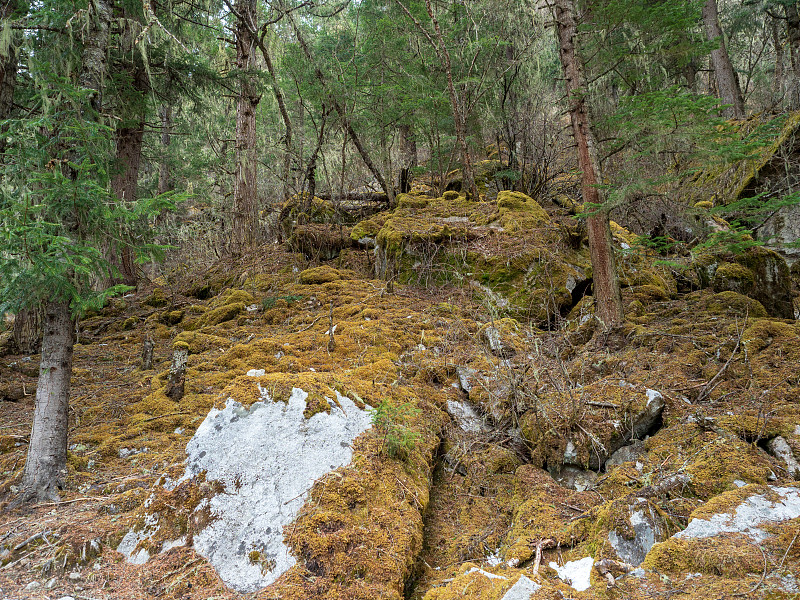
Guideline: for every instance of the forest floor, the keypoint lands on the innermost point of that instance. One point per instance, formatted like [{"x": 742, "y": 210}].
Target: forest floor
[{"x": 523, "y": 487}]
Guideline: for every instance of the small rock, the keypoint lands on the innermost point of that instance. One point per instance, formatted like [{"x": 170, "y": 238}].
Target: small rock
[
  {"x": 66, "y": 598},
  {"x": 632, "y": 453},
  {"x": 575, "y": 478},
  {"x": 256, "y": 373},
  {"x": 51, "y": 583},
  {"x": 75, "y": 576},
  {"x": 522, "y": 590},
  {"x": 32, "y": 586},
  {"x": 780, "y": 449}
]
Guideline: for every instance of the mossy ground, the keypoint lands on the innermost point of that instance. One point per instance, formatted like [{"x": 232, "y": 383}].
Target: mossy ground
[{"x": 386, "y": 528}]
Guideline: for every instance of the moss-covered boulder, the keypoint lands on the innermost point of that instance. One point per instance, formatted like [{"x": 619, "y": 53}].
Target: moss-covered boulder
[
  {"x": 157, "y": 298},
  {"x": 202, "y": 342},
  {"x": 757, "y": 272},
  {"x": 583, "y": 427},
  {"x": 323, "y": 274}
]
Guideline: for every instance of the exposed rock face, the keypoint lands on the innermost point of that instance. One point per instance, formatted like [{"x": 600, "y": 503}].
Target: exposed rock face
[
  {"x": 780, "y": 449},
  {"x": 775, "y": 505},
  {"x": 264, "y": 459},
  {"x": 758, "y": 273},
  {"x": 645, "y": 525}
]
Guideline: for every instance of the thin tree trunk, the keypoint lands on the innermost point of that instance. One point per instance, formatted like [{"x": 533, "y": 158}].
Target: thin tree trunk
[
  {"x": 408, "y": 157},
  {"x": 362, "y": 151},
  {"x": 287, "y": 121},
  {"x": 164, "y": 174},
  {"x": 608, "y": 299},
  {"x": 793, "y": 33},
  {"x": 727, "y": 81},
  {"x": 245, "y": 197},
  {"x": 45, "y": 467}
]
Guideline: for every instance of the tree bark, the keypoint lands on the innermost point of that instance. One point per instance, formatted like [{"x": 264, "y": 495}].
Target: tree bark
[
  {"x": 608, "y": 299},
  {"x": 245, "y": 226},
  {"x": 8, "y": 72},
  {"x": 45, "y": 467},
  {"x": 408, "y": 158},
  {"x": 164, "y": 174},
  {"x": 727, "y": 81},
  {"x": 793, "y": 34},
  {"x": 28, "y": 330}
]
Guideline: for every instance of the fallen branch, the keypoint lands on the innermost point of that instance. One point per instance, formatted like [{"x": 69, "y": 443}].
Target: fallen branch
[
  {"x": 542, "y": 545},
  {"x": 607, "y": 568}
]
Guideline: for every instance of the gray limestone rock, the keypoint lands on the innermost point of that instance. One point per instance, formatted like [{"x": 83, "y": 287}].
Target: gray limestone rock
[
  {"x": 265, "y": 459},
  {"x": 781, "y": 450}
]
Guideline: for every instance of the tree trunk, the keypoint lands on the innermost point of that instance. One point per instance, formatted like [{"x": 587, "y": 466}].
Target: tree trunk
[
  {"x": 8, "y": 72},
  {"x": 793, "y": 33},
  {"x": 124, "y": 184},
  {"x": 45, "y": 468},
  {"x": 245, "y": 227},
  {"x": 408, "y": 158},
  {"x": 727, "y": 81},
  {"x": 608, "y": 299},
  {"x": 287, "y": 121},
  {"x": 28, "y": 330},
  {"x": 164, "y": 174}
]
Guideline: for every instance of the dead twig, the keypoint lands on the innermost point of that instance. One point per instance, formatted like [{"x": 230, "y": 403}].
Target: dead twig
[{"x": 542, "y": 545}]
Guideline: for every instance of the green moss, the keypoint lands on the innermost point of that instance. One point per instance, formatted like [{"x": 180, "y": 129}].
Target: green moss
[
  {"x": 200, "y": 342},
  {"x": 451, "y": 195},
  {"x": 156, "y": 299},
  {"x": 323, "y": 274},
  {"x": 763, "y": 332},
  {"x": 410, "y": 201},
  {"x": 171, "y": 317},
  {"x": 233, "y": 296},
  {"x": 215, "y": 316},
  {"x": 728, "y": 555},
  {"x": 735, "y": 304}
]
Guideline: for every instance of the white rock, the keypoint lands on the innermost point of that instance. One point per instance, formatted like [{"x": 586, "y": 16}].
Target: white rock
[
  {"x": 485, "y": 573},
  {"x": 465, "y": 416},
  {"x": 748, "y": 516},
  {"x": 169, "y": 545},
  {"x": 576, "y": 573},
  {"x": 522, "y": 590},
  {"x": 780, "y": 449},
  {"x": 32, "y": 586},
  {"x": 256, "y": 373},
  {"x": 266, "y": 458}
]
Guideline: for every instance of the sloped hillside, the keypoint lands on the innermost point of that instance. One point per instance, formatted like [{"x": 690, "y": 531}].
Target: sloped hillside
[{"x": 432, "y": 413}]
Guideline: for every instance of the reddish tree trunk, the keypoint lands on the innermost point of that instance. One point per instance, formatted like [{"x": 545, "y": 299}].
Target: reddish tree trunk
[
  {"x": 608, "y": 300},
  {"x": 727, "y": 81},
  {"x": 245, "y": 197}
]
